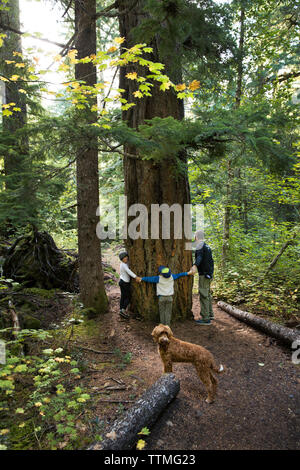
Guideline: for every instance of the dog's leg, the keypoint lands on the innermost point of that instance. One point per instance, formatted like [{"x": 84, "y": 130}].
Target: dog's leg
[
  {"x": 214, "y": 382},
  {"x": 205, "y": 377},
  {"x": 167, "y": 367}
]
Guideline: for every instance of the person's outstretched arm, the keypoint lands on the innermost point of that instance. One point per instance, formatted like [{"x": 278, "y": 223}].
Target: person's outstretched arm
[
  {"x": 129, "y": 272},
  {"x": 177, "y": 276},
  {"x": 152, "y": 279}
]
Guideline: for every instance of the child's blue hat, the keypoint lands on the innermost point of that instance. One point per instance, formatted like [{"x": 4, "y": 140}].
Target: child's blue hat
[{"x": 164, "y": 271}]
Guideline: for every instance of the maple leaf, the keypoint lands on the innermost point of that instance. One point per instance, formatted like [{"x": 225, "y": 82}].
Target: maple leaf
[
  {"x": 180, "y": 87},
  {"x": 119, "y": 40},
  {"x": 194, "y": 85},
  {"x": 141, "y": 444},
  {"x": 112, "y": 49},
  {"x": 72, "y": 55},
  {"x": 132, "y": 76}
]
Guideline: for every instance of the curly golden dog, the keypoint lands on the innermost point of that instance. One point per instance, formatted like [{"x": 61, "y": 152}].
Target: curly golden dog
[{"x": 172, "y": 350}]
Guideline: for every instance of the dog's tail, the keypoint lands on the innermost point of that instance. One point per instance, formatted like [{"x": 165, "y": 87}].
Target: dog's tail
[{"x": 218, "y": 370}]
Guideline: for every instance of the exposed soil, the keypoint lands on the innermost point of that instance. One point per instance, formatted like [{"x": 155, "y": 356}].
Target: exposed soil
[{"x": 258, "y": 403}]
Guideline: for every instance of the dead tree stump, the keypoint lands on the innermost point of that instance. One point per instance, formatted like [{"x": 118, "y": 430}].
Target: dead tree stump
[{"x": 35, "y": 260}]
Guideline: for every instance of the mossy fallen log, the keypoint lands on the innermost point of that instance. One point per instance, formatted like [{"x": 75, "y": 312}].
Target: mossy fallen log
[
  {"x": 282, "y": 333},
  {"x": 144, "y": 413}
]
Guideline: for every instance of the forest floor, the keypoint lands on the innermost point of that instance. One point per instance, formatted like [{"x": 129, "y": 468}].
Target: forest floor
[{"x": 258, "y": 403}]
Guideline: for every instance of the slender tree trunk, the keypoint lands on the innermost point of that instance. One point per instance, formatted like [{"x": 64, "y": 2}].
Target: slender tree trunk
[
  {"x": 243, "y": 203},
  {"x": 92, "y": 291},
  {"x": 230, "y": 174},
  {"x": 149, "y": 182},
  {"x": 227, "y": 214}
]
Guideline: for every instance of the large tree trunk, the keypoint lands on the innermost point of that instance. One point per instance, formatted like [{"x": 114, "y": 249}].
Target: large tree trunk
[
  {"x": 17, "y": 165},
  {"x": 92, "y": 291},
  {"x": 148, "y": 182}
]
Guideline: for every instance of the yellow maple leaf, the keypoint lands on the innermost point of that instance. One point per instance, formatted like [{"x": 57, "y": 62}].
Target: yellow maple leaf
[
  {"x": 4, "y": 431},
  {"x": 22, "y": 91},
  {"x": 112, "y": 49},
  {"x": 59, "y": 359},
  {"x": 14, "y": 78},
  {"x": 165, "y": 86},
  {"x": 132, "y": 76},
  {"x": 57, "y": 58},
  {"x": 72, "y": 55},
  {"x": 119, "y": 40},
  {"x": 140, "y": 444},
  {"x": 194, "y": 85},
  {"x": 180, "y": 87},
  {"x": 138, "y": 94},
  {"x": 20, "y": 65},
  {"x": 9, "y": 61}
]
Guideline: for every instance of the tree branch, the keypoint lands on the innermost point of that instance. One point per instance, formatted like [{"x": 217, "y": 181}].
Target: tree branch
[
  {"x": 6, "y": 27},
  {"x": 106, "y": 12}
]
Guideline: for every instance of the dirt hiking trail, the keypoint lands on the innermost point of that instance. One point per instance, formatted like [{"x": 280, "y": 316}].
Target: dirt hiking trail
[{"x": 257, "y": 405}]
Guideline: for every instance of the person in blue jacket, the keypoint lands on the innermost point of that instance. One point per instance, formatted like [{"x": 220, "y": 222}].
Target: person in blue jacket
[{"x": 165, "y": 291}]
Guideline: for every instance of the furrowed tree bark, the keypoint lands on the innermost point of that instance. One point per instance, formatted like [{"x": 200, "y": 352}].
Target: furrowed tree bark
[
  {"x": 144, "y": 413},
  {"x": 282, "y": 333},
  {"x": 17, "y": 164},
  {"x": 92, "y": 291},
  {"x": 148, "y": 182}
]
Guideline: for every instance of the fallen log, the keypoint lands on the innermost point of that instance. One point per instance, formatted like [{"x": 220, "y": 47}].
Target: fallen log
[
  {"x": 144, "y": 413},
  {"x": 282, "y": 333}
]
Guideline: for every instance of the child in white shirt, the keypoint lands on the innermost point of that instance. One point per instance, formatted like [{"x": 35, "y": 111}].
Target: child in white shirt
[{"x": 124, "y": 283}]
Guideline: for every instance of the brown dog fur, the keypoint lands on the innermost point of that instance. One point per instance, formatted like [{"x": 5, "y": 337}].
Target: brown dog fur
[{"x": 172, "y": 350}]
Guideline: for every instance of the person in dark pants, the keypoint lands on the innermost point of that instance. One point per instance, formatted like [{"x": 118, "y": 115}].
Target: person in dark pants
[
  {"x": 205, "y": 264},
  {"x": 124, "y": 283}
]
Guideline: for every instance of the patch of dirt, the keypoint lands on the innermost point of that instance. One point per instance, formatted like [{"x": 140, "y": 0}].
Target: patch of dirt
[{"x": 257, "y": 405}]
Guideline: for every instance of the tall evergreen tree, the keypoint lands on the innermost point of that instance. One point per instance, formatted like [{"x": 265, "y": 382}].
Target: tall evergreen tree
[
  {"x": 92, "y": 291},
  {"x": 148, "y": 182},
  {"x": 19, "y": 198}
]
